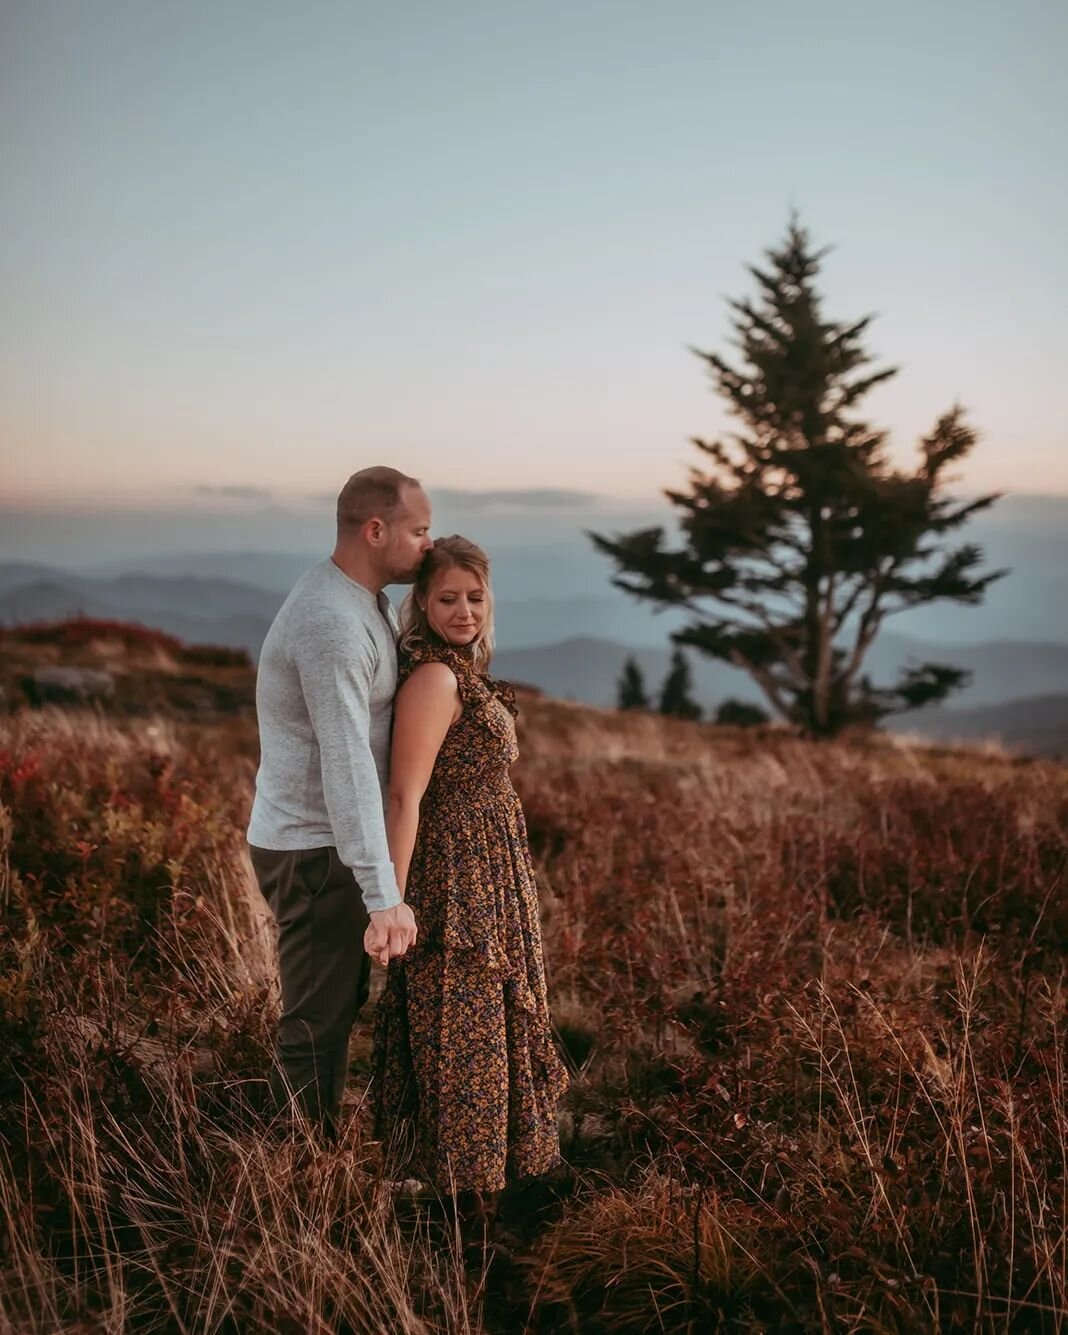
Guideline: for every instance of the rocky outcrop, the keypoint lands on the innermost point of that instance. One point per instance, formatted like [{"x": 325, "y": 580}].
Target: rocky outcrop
[{"x": 68, "y": 685}]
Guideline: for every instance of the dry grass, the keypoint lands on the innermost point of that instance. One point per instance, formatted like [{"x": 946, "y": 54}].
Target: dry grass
[{"x": 813, "y": 997}]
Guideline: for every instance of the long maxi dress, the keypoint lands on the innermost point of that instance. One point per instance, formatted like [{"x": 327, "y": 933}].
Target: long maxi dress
[{"x": 463, "y": 1057}]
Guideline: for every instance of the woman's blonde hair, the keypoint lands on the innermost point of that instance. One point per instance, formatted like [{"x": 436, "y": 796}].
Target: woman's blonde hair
[{"x": 448, "y": 554}]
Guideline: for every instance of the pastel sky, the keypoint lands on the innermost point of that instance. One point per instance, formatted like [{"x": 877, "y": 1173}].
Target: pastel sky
[{"x": 263, "y": 244}]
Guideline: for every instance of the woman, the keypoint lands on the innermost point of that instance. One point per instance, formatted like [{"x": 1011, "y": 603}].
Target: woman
[{"x": 463, "y": 1051}]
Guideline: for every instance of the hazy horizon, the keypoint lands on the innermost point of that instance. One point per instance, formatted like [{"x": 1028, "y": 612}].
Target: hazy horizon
[
  {"x": 269, "y": 523},
  {"x": 536, "y": 542}
]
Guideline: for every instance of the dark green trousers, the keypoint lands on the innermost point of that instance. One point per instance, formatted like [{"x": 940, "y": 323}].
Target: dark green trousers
[{"x": 325, "y": 974}]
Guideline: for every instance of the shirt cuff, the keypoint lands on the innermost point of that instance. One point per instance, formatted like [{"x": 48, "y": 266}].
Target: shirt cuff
[{"x": 378, "y": 886}]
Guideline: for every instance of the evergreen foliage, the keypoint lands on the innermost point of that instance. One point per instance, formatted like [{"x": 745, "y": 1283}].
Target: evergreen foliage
[
  {"x": 631, "y": 687},
  {"x": 740, "y": 714},
  {"x": 798, "y": 537},
  {"x": 676, "y": 698}
]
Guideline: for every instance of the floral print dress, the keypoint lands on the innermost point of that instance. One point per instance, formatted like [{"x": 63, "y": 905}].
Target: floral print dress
[{"x": 463, "y": 1056}]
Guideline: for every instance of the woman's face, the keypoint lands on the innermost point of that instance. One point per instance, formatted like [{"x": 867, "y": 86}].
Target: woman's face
[{"x": 456, "y": 605}]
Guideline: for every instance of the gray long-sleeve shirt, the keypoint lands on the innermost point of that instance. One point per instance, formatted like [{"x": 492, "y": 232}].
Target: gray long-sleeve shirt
[{"x": 324, "y": 699}]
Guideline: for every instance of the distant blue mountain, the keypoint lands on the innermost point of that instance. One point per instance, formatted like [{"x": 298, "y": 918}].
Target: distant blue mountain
[
  {"x": 569, "y": 645},
  {"x": 537, "y": 554},
  {"x": 587, "y": 668}
]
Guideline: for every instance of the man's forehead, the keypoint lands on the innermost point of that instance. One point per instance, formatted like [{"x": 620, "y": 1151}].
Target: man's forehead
[{"x": 415, "y": 503}]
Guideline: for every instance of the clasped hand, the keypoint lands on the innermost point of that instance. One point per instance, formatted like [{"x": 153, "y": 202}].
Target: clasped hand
[{"x": 390, "y": 932}]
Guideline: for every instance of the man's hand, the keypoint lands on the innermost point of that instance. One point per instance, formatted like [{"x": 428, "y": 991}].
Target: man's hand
[{"x": 390, "y": 933}]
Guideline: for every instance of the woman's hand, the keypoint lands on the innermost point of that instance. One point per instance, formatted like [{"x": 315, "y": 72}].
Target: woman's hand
[{"x": 390, "y": 933}]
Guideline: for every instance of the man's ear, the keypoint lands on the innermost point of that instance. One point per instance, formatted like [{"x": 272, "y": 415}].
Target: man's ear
[{"x": 375, "y": 531}]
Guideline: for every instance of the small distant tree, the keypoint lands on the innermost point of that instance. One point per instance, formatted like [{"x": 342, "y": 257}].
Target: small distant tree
[
  {"x": 801, "y": 537},
  {"x": 631, "y": 687},
  {"x": 740, "y": 714},
  {"x": 676, "y": 694}
]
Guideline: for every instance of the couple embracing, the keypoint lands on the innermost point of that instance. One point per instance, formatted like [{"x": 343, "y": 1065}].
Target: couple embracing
[{"x": 385, "y": 828}]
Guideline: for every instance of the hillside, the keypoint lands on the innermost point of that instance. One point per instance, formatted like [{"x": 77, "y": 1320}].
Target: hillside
[
  {"x": 586, "y": 669},
  {"x": 807, "y": 993},
  {"x": 127, "y": 670},
  {"x": 569, "y": 640},
  {"x": 1037, "y": 725},
  {"x": 139, "y": 671}
]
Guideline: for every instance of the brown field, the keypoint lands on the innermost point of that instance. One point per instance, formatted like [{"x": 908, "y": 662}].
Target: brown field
[{"x": 813, "y": 998}]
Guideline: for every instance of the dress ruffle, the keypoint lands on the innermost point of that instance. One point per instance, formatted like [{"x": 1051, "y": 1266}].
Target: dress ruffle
[{"x": 477, "y": 689}]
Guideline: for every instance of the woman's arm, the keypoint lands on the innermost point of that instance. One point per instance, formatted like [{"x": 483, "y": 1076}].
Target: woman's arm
[{"x": 425, "y": 707}]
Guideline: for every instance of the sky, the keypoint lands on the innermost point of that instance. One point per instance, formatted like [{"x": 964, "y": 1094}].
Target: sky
[{"x": 247, "y": 248}]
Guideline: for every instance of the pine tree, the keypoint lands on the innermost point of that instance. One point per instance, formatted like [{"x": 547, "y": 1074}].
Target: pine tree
[
  {"x": 676, "y": 699},
  {"x": 740, "y": 714},
  {"x": 801, "y": 538},
  {"x": 631, "y": 687}
]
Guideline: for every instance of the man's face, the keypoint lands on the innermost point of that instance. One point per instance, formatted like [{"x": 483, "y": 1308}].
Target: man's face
[{"x": 409, "y": 537}]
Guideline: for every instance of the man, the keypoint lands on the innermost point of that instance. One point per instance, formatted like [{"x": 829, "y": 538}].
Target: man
[{"x": 324, "y": 699}]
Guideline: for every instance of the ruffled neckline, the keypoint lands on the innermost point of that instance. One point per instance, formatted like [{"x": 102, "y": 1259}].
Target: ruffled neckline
[{"x": 461, "y": 663}]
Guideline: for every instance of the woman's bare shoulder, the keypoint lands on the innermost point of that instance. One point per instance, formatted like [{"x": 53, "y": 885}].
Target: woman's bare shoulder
[
  {"x": 427, "y": 682},
  {"x": 433, "y": 670}
]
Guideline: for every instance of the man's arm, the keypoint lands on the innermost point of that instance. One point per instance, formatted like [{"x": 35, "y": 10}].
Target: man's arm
[{"x": 336, "y": 669}]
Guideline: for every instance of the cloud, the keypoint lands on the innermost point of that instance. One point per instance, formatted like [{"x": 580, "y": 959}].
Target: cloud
[
  {"x": 496, "y": 502},
  {"x": 532, "y": 498},
  {"x": 234, "y": 493}
]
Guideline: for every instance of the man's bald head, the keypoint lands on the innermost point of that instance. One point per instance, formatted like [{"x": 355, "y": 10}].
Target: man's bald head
[{"x": 372, "y": 493}]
